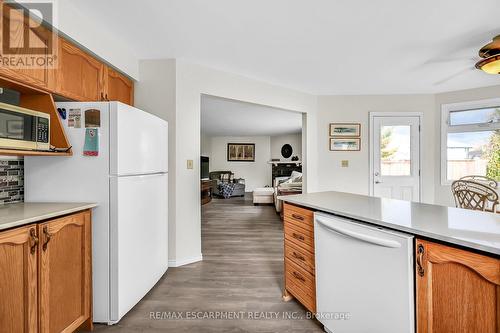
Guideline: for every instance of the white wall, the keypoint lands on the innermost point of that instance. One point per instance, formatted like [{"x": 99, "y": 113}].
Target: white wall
[
  {"x": 443, "y": 194},
  {"x": 294, "y": 140},
  {"x": 184, "y": 123},
  {"x": 73, "y": 19},
  {"x": 355, "y": 178},
  {"x": 256, "y": 174}
]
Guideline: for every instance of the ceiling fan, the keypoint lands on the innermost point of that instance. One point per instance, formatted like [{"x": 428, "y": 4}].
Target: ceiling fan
[
  {"x": 490, "y": 62},
  {"x": 491, "y": 57}
]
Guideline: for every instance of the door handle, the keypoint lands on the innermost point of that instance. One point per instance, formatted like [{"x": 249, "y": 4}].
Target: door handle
[
  {"x": 48, "y": 236},
  {"x": 378, "y": 182},
  {"x": 34, "y": 240},
  {"x": 359, "y": 236}
]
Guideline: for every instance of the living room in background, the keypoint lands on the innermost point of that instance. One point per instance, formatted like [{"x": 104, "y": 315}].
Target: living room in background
[{"x": 470, "y": 140}]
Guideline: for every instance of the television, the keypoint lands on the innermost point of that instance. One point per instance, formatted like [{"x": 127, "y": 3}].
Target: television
[{"x": 204, "y": 167}]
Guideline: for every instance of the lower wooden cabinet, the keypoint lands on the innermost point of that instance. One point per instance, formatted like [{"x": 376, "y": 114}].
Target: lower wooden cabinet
[
  {"x": 299, "y": 256},
  {"x": 65, "y": 273},
  {"x": 46, "y": 276},
  {"x": 18, "y": 280},
  {"x": 457, "y": 291}
]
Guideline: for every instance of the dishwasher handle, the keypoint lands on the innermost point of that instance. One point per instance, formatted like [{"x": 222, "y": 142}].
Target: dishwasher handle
[{"x": 359, "y": 236}]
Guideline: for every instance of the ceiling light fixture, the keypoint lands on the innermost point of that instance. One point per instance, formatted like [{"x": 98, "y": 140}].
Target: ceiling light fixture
[{"x": 491, "y": 57}]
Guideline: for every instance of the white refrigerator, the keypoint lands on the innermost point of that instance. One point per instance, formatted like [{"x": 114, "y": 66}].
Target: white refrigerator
[{"x": 129, "y": 180}]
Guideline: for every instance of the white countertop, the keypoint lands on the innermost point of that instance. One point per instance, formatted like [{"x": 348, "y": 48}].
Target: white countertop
[
  {"x": 471, "y": 229},
  {"x": 18, "y": 214}
]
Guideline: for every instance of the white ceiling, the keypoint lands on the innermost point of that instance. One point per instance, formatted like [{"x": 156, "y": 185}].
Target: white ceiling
[
  {"x": 317, "y": 46},
  {"x": 224, "y": 117}
]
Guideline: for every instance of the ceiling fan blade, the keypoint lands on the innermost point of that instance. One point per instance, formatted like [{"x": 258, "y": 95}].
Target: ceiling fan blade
[
  {"x": 441, "y": 60},
  {"x": 454, "y": 75}
]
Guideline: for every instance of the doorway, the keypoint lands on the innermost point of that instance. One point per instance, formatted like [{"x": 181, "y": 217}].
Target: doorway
[{"x": 395, "y": 165}]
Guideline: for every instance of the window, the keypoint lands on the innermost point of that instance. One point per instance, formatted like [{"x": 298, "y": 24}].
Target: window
[{"x": 470, "y": 140}]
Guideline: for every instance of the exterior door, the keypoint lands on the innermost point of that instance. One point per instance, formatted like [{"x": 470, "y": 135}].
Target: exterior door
[
  {"x": 18, "y": 281},
  {"x": 65, "y": 273},
  {"x": 396, "y": 157}
]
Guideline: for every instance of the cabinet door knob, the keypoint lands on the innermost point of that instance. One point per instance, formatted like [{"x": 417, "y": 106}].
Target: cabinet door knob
[
  {"x": 34, "y": 240},
  {"x": 48, "y": 236}
]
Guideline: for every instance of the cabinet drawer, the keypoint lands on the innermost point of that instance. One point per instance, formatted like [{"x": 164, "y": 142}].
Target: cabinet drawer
[
  {"x": 301, "y": 217},
  {"x": 299, "y": 256},
  {"x": 300, "y": 284},
  {"x": 300, "y": 237}
]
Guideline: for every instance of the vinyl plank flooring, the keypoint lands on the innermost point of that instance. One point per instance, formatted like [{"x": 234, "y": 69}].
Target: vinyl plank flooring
[{"x": 241, "y": 273}]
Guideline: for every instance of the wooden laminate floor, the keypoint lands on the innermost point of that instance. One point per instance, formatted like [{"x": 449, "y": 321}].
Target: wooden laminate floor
[{"x": 241, "y": 275}]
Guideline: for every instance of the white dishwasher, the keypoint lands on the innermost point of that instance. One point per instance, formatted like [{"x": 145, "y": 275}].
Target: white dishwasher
[{"x": 364, "y": 277}]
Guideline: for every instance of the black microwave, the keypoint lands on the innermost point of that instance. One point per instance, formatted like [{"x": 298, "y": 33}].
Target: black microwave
[{"x": 24, "y": 129}]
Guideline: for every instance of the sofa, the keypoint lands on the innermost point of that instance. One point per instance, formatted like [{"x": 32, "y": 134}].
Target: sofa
[
  {"x": 291, "y": 184},
  {"x": 218, "y": 177}
]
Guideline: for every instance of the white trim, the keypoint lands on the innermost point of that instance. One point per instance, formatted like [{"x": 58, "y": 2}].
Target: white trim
[
  {"x": 445, "y": 110},
  {"x": 420, "y": 116},
  {"x": 184, "y": 261}
]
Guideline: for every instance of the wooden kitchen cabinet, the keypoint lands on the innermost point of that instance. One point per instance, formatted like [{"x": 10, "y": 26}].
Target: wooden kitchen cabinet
[
  {"x": 18, "y": 280},
  {"x": 43, "y": 77},
  {"x": 457, "y": 291},
  {"x": 117, "y": 87},
  {"x": 65, "y": 273},
  {"x": 299, "y": 260},
  {"x": 79, "y": 76},
  {"x": 46, "y": 276}
]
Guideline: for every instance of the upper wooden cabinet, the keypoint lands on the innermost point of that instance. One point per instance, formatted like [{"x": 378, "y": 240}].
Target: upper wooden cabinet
[
  {"x": 457, "y": 291},
  {"x": 79, "y": 76},
  {"x": 117, "y": 87},
  {"x": 65, "y": 273},
  {"x": 38, "y": 37},
  {"x": 18, "y": 280}
]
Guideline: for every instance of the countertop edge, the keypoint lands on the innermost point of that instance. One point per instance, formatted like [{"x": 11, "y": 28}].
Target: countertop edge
[
  {"x": 416, "y": 232},
  {"x": 47, "y": 216}
]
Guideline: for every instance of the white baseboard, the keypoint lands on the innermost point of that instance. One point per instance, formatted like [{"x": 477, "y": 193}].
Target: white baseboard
[{"x": 184, "y": 261}]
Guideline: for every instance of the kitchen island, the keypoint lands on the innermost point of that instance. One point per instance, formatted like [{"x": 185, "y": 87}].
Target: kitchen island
[
  {"x": 46, "y": 265},
  {"x": 453, "y": 259}
]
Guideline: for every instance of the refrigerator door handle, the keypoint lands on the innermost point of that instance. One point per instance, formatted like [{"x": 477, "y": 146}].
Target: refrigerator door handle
[{"x": 356, "y": 235}]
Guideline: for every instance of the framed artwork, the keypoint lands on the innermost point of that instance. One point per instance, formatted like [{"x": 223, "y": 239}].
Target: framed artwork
[
  {"x": 345, "y": 129},
  {"x": 345, "y": 144},
  {"x": 241, "y": 152}
]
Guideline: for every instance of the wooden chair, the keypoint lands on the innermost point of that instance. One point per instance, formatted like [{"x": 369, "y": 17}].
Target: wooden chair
[{"x": 474, "y": 195}]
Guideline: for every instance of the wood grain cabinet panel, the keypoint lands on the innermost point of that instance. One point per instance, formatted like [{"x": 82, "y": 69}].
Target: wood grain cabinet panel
[
  {"x": 40, "y": 37},
  {"x": 457, "y": 291},
  {"x": 18, "y": 280},
  {"x": 300, "y": 278},
  {"x": 118, "y": 87},
  {"x": 79, "y": 76},
  {"x": 65, "y": 273}
]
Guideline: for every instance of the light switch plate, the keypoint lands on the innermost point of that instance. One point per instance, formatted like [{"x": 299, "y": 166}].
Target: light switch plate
[
  {"x": 189, "y": 164},
  {"x": 345, "y": 163}
]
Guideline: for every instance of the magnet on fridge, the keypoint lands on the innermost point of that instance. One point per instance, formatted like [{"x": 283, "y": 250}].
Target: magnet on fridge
[
  {"x": 91, "y": 146},
  {"x": 92, "y": 118},
  {"x": 62, "y": 113}
]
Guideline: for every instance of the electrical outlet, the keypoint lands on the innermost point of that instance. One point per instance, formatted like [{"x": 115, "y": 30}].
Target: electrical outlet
[
  {"x": 345, "y": 163},
  {"x": 189, "y": 164}
]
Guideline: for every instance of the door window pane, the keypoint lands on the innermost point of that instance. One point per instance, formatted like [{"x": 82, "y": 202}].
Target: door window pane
[
  {"x": 395, "y": 150},
  {"x": 473, "y": 153},
  {"x": 478, "y": 116}
]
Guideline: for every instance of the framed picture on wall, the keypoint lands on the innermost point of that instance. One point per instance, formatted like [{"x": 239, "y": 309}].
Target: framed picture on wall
[
  {"x": 345, "y": 144},
  {"x": 241, "y": 152},
  {"x": 345, "y": 129}
]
